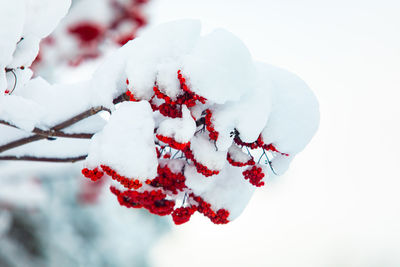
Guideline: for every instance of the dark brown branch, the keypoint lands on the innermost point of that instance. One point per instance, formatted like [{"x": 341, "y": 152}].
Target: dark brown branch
[
  {"x": 120, "y": 99},
  {"x": 62, "y": 134},
  {"x": 79, "y": 117},
  {"x": 200, "y": 121},
  {"x": 8, "y": 124},
  {"x": 44, "y": 159}
]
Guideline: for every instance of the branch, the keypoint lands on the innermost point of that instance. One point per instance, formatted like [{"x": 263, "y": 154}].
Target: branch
[
  {"x": 44, "y": 159},
  {"x": 52, "y": 133},
  {"x": 55, "y": 131},
  {"x": 21, "y": 142},
  {"x": 200, "y": 121},
  {"x": 120, "y": 99}
]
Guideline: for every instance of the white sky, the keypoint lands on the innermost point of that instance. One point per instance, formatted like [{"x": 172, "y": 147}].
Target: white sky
[{"x": 339, "y": 204}]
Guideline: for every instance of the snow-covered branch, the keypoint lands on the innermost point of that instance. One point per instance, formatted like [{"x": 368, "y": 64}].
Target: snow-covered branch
[
  {"x": 44, "y": 159},
  {"x": 55, "y": 131},
  {"x": 202, "y": 124}
]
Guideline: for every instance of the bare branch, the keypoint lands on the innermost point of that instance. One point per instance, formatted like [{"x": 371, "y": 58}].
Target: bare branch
[{"x": 44, "y": 159}]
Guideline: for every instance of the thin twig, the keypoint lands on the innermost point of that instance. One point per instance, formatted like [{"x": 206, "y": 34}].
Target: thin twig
[
  {"x": 15, "y": 82},
  {"x": 261, "y": 156},
  {"x": 44, "y": 159},
  {"x": 270, "y": 165}
]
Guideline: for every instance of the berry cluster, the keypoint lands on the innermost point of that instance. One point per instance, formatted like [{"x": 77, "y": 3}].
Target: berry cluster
[
  {"x": 131, "y": 96},
  {"x": 172, "y": 143},
  {"x": 154, "y": 201},
  {"x": 219, "y": 217},
  {"x": 93, "y": 175},
  {"x": 168, "y": 180},
  {"x": 254, "y": 175},
  {"x": 199, "y": 167},
  {"x": 166, "y": 98},
  {"x": 173, "y": 108},
  {"x": 126, "y": 182},
  {"x": 189, "y": 98},
  {"x": 160, "y": 194},
  {"x": 182, "y": 215},
  {"x": 171, "y": 111},
  {"x": 259, "y": 143},
  {"x": 238, "y": 163},
  {"x": 213, "y": 134},
  {"x": 97, "y": 174}
]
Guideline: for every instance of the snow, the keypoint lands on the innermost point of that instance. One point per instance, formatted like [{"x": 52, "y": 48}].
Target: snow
[
  {"x": 59, "y": 148},
  {"x": 165, "y": 43},
  {"x": 126, "y": 143},
  {"x": 9, "y": 134},
  {"x": 226, "y": 190},
  {"x": 43, "y": 16},
  {"x": 245, "y": 97},
  {"x": 21, "y": 119},
  {"x": 294, "y": 117},
  {"x": 205, "y": 152},
  {"x": 11, "y": 26},
  {"x": 237, "y": 154},
  {"x": 166, "y": 78},
  {"x": 181, "y": 129},
  {"x": 213, "y": 71}
]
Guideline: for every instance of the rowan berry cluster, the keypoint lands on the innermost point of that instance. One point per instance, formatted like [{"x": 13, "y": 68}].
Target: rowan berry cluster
[
  {"x": 168, "y": 180},
  {"x": 213, "y": 134},
  {"x": 259, "y": 143},
  {"x": 238, "y": 163},
  {"x": 199, "y": 167},
  {"x": 125, "y": 181},
  {"x": 219, "y": 217},
  {"x": 183, "y": 214},
  {"x": 93, "y": 175},
  {"x": 254, "y": 175},
  {"x": 154, "y": 201},
  {"x": 169, "y": 192}
]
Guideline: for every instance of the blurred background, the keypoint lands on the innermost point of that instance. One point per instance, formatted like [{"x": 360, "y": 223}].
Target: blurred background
[{"x": 339, "y": 203}]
